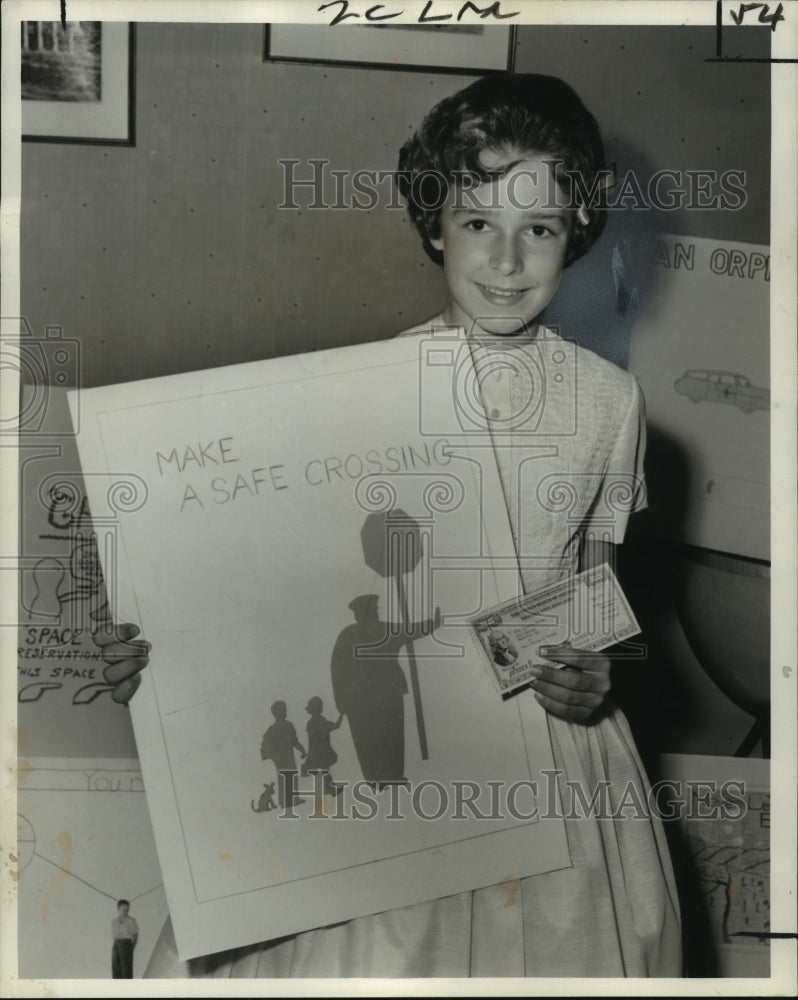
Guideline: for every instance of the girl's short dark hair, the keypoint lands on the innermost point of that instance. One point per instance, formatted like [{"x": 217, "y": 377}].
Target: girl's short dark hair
[{"x": 525, "y": 113}]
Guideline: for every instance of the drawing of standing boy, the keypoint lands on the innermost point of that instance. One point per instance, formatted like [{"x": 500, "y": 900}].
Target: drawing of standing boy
[{"x": 278, "y": 745}]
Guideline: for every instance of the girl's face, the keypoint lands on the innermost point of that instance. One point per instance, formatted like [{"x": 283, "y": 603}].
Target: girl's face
[{"x": 504, "y": 245}]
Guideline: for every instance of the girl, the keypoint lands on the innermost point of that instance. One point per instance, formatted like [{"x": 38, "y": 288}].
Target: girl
[
  {"x": 489, "y": 179},
  {"x": 320, "y": 756}
]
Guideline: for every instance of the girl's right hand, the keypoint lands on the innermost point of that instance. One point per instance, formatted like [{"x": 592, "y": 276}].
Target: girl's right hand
[{"x": 124, "y": 658}]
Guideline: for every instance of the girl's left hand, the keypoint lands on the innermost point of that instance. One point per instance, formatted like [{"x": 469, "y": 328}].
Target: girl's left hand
[
  {"x": 578, "y": 690},
  {"x": 124, "y": 658}
]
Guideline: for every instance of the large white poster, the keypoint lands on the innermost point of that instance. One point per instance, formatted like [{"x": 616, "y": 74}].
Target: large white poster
[{"x": 303, "y": 542}]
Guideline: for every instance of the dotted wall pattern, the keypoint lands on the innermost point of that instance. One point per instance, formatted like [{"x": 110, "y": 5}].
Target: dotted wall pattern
[
  {"x": 174, "y": 255},
  {"x": 660, "y": 106}
]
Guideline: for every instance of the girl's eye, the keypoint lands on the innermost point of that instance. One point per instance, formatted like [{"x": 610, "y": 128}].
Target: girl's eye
[
  {"x": 540, "y": 231},
  {"x": 477, "y": 225}
]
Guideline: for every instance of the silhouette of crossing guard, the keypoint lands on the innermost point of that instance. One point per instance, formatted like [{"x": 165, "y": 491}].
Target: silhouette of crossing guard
[
  {"x": 320, "y": 756},
  {"x": 369, "y": 687},
  {"x": 278, "y": 745}
]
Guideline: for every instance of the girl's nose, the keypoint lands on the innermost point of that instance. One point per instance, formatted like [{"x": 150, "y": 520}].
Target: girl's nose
[{"x": 505, "y": 256}]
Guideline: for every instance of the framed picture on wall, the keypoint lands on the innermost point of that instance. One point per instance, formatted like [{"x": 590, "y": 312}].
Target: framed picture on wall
[
  {"x": 78, "y": 82},
  {"x": 462, "y": 49}
]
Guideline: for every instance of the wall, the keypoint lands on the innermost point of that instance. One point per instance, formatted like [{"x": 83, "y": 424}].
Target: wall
[
  {"x": 173, "y": 256},
  {"x": 661, "y": 105}
]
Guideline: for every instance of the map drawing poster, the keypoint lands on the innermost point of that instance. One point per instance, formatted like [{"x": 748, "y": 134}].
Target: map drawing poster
[
  {"x": 701, "y": 352},
  {"x": 731, "y": 857},
  {"x": 84, "y": 841},
  {"x": 315, "y": 713}
]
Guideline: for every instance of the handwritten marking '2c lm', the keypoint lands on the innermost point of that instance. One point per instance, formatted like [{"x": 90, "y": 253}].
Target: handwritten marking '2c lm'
[{"x": 383, "y": 12}]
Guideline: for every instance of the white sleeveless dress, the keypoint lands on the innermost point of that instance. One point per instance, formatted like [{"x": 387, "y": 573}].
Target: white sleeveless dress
[{"x": 615, "y": 911}]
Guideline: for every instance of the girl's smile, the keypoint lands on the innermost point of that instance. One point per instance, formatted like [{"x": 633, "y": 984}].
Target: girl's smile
[{"x": 502, "y": 296}]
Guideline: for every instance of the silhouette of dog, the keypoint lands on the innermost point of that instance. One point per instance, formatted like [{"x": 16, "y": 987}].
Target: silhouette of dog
[{"x": 266, "y": 801}]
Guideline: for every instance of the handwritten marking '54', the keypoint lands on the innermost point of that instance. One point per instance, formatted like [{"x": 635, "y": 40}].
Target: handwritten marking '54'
[{"x": 764, "y": 16}]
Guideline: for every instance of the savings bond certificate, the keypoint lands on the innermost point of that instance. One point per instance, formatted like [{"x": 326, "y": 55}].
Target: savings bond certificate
[{"x": 588, "y": 610}]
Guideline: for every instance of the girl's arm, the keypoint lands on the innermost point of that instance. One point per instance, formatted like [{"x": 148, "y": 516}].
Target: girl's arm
[{"x": 578, "y": 691}]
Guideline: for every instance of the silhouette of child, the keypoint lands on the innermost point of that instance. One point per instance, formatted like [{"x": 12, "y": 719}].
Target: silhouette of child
[
  {"x": 278, "y": 745},
  {"x": 320, "y": 755}
]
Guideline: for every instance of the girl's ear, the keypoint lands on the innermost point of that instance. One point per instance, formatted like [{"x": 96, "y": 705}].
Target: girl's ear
[{"x": 437, "y": 244}]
